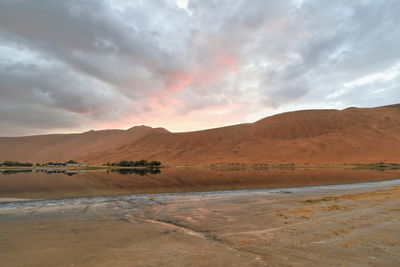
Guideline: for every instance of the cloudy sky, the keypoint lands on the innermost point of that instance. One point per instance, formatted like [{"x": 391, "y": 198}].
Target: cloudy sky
[{"x": 76, "y": 65}]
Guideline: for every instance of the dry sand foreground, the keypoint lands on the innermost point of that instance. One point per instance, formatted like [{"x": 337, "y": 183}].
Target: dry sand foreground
[{"x": 345, "y": 225}]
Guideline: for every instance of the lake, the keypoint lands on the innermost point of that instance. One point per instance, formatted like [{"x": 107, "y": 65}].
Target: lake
[{"x": 56, "y": 184}]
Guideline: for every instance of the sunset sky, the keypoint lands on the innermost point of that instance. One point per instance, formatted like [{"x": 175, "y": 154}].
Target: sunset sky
[{"x": 76, "y": 65}]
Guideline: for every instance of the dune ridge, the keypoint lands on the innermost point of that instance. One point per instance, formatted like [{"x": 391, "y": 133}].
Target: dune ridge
[{"x": 352, "y": 135}]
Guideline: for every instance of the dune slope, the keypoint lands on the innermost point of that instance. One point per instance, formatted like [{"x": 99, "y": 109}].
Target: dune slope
[{"x": 309, "y": 136}]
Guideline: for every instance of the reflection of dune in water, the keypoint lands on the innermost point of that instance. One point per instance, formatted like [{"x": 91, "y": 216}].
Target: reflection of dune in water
[
  {"x": 39, "y": 185},
  {"x": 154, "y": 199}
]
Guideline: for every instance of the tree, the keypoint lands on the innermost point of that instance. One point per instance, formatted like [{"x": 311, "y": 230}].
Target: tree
[
  {"x": 124, "y": 163},
  {"x": 141, "y": 162},
  {"x": 155, "y": 163}
]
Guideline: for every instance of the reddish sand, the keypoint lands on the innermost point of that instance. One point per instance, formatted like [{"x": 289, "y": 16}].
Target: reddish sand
[
  {"x": 353, "y": 135},
  {"x": 331, "y": 226}
]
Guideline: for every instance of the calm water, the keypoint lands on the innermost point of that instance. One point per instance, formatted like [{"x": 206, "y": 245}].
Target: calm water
[{"x": 30, "y": 184}]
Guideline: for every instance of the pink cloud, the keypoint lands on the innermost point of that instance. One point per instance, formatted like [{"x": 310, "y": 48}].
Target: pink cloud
[
  {"x": 177, "y": 81},
  {"x": 161, "y": 106},
  {"x": 201, "y": 75}
]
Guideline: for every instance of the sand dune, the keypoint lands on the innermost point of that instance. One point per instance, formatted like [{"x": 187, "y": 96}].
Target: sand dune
[{"x": 311, "y": 136}]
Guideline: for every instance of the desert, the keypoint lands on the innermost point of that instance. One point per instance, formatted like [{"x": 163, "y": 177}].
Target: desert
[
  {"x": 340, "y": 225},
  {"x": 207, "y": 206},
  {"x": 352, "y": 135},
  {"x": 204, "y": 205},
  {"x": 199, "y": 133}
]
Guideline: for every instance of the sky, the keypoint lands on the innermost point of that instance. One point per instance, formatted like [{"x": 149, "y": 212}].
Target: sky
[{"x": 77, "y": 65}]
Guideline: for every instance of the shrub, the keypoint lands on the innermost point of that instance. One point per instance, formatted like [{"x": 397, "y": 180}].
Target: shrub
[{"x": 16, "y": 163}]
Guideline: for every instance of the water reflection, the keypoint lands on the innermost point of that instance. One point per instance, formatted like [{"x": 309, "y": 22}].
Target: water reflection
[
  {"x": 62, "y": 171},
  {"x": 140, "y": 172},
  {"x": 52, "y": 184},
  {"x": 71, "y": 172},
  {"x": 5, "y": 172}
]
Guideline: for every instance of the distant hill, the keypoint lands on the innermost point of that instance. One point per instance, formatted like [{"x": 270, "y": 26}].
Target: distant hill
[{"x": 351, "y": 135}]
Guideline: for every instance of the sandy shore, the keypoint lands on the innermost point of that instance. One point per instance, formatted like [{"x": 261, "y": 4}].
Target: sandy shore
[{"x": 344, "y": 225}]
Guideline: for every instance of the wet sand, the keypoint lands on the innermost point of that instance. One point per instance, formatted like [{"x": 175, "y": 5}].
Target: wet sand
[{"x": 344, "y": 225}]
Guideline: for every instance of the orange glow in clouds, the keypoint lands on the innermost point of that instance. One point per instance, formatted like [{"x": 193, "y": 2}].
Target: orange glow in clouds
[
  {"x": 202, "y": 76},
  {"x": 163, "y": 106}
]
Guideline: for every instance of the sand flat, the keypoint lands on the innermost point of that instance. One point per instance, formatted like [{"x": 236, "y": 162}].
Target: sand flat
[{"x": 344, "y": 225}]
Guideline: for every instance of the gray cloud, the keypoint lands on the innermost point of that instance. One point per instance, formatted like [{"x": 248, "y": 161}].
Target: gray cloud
[{"x": 74, "y": 64}]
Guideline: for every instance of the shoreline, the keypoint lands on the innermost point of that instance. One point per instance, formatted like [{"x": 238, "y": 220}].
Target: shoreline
[
  {"x": 68, "y": 184},
  {"x": 352, "y": 187},
  {"x": 225, "y": 166},
  {"x": 310, "y": 226},
  {"x": 90, "y": 167}
]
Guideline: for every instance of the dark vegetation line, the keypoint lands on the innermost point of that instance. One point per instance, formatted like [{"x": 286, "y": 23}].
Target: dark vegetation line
[
  {"x": 72, "y": 163},
  {"x": 139, "y": 163},
  {"x": 9, "y": 163}
]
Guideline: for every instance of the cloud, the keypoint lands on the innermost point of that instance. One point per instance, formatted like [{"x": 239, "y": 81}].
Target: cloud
[{"x": 73, "y": 65}]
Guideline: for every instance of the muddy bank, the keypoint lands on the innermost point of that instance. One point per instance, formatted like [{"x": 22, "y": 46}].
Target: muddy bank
[{"x": 349, "y": 225}]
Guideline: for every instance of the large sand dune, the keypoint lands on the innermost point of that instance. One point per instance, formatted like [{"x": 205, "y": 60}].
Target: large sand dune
[{"x": 352, "y": 135}]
